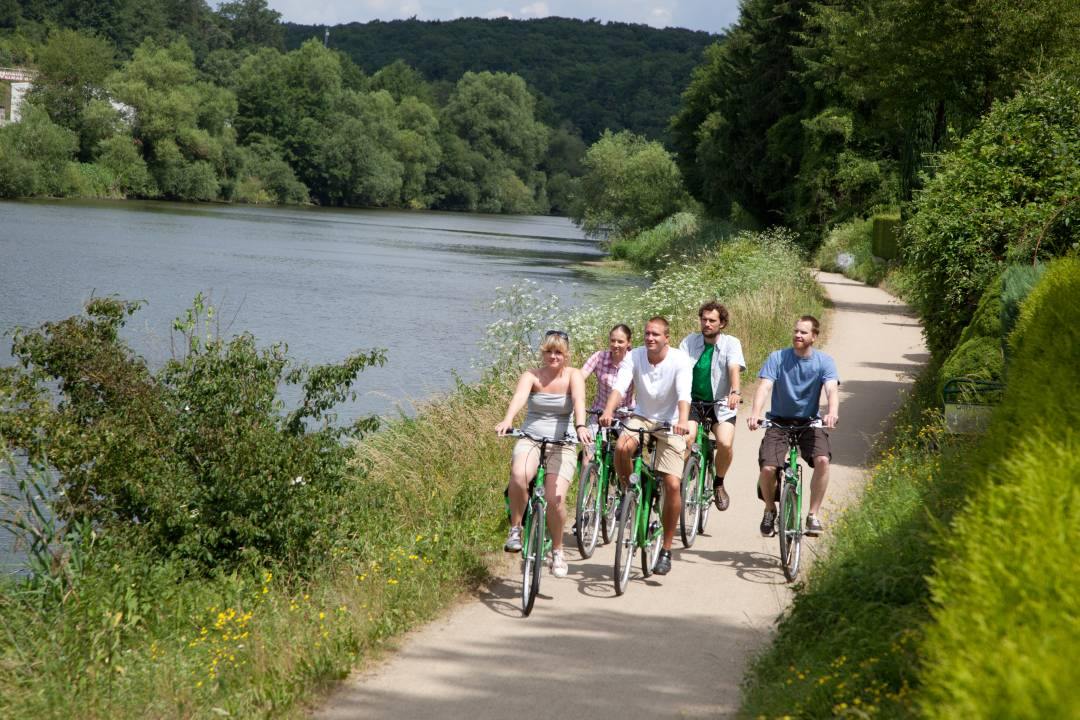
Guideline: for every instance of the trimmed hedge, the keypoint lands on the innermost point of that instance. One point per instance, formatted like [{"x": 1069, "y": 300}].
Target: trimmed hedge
[{"x": 1005, "y": 591}]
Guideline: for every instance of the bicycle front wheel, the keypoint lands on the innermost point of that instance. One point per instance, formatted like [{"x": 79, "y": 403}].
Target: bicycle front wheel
[
  {"x": 790, "y": 523},
  {"x": 704, "y": 494},
  {"x": 532, "y": 559},
  {"x": 624, "y": 540},
  {"x": 691, "y": 501},
  {"x": 588, "y": 509},
  {"x": 611, "y": 499},
  {"x": 654, "y": 532}
]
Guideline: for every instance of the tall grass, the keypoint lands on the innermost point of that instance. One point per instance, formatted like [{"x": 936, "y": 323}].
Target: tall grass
[{"x": 421, "y": 522}]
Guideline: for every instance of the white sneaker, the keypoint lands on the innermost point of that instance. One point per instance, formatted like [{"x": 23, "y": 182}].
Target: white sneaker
[{"x": 558, "y": 564}]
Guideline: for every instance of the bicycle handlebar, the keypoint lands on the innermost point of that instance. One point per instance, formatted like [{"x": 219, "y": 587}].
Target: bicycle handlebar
[
  {"x": 519, "y": 433},
  {"x": 767, "y": 423}
]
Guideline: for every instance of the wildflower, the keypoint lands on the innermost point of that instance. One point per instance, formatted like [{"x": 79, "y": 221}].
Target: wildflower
[{"x": 392, "y": 581}]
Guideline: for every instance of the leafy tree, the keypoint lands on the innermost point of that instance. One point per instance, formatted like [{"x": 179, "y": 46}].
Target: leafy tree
[
  {"x": 72, "y": 67},
  {"x": 402, "y": 81},
  {"x": 34, "y": 154},
  {"x": 120, "y": 155},
  {"x": 182, "y": 123},
  {"x": 630, "y": 184},
  {"x": 738, "y": 134},
  {"x": 1009, "y": 192},
  {"x": 252, "y": 23},
  {"x": 492, "y": 113}
]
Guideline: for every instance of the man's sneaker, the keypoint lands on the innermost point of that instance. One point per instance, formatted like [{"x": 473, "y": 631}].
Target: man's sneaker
[
  {"x": 813, "y": 526},
  {"x": 720, "y": 496},
  {"x": 768, "y": 523},
  {"x": 558, "y": 564},
  {"x": 513, "y": 540},
  {"x": 663, "y": 563}
]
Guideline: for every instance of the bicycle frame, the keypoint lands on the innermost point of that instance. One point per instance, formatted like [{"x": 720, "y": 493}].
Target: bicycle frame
[{"x": 789, "y": 492}]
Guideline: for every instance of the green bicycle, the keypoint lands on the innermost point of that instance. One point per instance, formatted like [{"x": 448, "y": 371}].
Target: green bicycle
[
  {"x": 639, "y": 513},
  {"x": 696, "y": 504},
  {"x": 598, "y": 492},
  {"x": 789, "y": 521},
  {"x": 535, "y": 539}
]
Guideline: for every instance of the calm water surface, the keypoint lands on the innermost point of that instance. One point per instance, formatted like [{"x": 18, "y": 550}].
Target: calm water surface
[{"x": 327, "y": 282}]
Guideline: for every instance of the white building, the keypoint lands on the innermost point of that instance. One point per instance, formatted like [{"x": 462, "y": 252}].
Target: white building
[{"x": 14, "y": 84}]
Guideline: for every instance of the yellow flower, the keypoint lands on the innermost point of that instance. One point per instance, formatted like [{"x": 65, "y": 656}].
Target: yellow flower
[{"x": 391, "y": 581}]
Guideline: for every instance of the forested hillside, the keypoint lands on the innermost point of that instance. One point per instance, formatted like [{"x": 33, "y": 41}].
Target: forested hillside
[
  {"x": 182, "y": 101},
  {"x": 598, "y": 76}
]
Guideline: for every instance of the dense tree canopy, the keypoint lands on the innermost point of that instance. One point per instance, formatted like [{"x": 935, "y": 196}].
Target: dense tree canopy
[
  {"x": 816, "y": 111},
  {"x": 597, "y": 76}
]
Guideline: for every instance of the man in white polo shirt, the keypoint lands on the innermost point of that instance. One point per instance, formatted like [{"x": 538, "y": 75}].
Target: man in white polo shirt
[{"x": 662, "y": 376}]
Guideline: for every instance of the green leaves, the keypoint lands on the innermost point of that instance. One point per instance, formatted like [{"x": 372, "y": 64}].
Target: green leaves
[
  {"x": 197, "y": 460},
  {"x": 630, "y": 184}
]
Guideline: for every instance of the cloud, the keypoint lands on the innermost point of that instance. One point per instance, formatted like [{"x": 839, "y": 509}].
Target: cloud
[
  {"x": 537, "y": 9},
  {"x": 660, "y": 17}
]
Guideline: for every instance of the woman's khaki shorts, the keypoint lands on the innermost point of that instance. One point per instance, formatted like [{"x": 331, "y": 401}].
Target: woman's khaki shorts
[
  {"x": 561, "y": 459},
  {"x": 670, "y": 449}
]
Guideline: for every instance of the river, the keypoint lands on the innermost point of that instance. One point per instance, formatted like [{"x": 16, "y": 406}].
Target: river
[{"x": 326, "y": 281}]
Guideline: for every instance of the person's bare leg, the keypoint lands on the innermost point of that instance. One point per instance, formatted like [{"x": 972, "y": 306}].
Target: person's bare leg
[
  {"x": 672, "y": 507},
  {"x": 819, "y": 483},
  {"x": 723, "y": 443},
  {"x": 624, "y": 457},
  {"x": 555, "y": 487},
  {"x": 767, "y": 483},
  {"x": 522, "y": 469}
]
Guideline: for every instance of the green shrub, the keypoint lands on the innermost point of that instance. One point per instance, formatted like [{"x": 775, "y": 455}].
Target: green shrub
[
  {"x": 1008, "y": 193},
  {"x": 1006, "y": 601},
  {"x": 194, "y": 461},
  {"x": 979, "y": 358},
  {"x": 886, "y": 236},
  {"x": 121, "y": 157},
  {"x": 87, "y": 180},
  {"x": 1017, "y": 283},
  {"x": 848, "y": 249}
]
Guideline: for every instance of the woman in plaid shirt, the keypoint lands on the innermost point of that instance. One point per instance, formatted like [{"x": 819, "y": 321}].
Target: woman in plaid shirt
[{"x": 605, "y": 363}]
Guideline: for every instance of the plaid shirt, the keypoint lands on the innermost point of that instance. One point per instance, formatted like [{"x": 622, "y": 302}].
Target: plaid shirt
[{"x": 606, "y": 372}]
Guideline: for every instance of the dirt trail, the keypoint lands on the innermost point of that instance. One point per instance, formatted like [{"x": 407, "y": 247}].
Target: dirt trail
[{"x": 673, "y": 646}]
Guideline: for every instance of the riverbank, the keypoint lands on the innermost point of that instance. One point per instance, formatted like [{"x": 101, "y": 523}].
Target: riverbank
[{"x": 424, "y": 512}]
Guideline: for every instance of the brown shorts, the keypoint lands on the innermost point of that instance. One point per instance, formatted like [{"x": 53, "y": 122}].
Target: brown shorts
[
  {"x": 813, "y": 442},
  {"x": 669, "y": 448}
]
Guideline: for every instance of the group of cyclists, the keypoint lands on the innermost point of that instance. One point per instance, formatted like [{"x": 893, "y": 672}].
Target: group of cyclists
[{"x": 657, "y": 386}]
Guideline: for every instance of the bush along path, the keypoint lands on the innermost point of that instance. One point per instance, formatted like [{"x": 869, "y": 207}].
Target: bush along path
[{"x": 672, "y": 646}]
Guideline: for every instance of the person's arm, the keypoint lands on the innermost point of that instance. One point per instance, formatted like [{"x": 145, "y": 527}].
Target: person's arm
[
  {"x": 757, "y": 410},
  {"x": 520, "y": 397},
  {"x": 590, "y": 365},
  {"x": 622, "y": 382},
  {"x": 735, "y": 381},
  {"x": 832, "y": 395},
  {"x": 577, "y": 394},
  {"x": 736, "y": 364}
]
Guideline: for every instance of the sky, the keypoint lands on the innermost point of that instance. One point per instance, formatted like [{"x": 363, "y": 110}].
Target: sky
[{"x": 709, "y": 15}]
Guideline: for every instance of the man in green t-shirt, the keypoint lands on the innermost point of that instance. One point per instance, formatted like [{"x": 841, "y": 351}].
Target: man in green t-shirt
[{"x": 718, "y": 362}]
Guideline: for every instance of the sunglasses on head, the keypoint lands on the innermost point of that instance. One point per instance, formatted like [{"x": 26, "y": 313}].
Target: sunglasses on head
[{"x": 558, "y": 333}]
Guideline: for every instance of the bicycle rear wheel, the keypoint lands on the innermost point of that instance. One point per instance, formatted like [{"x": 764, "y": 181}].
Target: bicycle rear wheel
[
  {"x": 790, "y": 523},
  {"x": 588, "y": 509},
  {"x": 691, "y": 501},
  {"x": 532, "y": 559},
  {"x": 624, "y": 540},
  {"x": 653, "y": 533}
]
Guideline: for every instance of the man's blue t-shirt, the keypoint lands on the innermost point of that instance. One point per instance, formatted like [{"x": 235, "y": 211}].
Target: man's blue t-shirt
[{"x": 797, "y": 382}]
